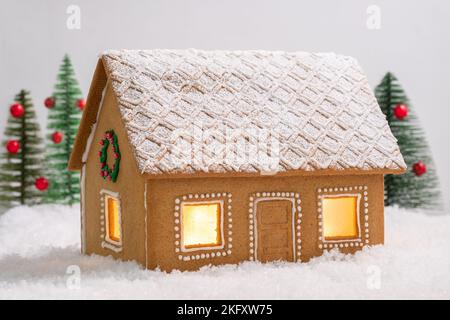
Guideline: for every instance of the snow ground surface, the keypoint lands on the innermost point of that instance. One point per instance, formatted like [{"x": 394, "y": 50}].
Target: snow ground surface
[{"x": 40, "y": 258}]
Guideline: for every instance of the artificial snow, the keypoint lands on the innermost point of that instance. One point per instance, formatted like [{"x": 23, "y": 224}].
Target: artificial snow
[{"x": 40, "y": 258}]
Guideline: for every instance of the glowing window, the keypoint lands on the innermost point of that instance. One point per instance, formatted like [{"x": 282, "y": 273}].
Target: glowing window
[
  {"x": 112, "y": 213},
  {"x": 201, "y": 225},
  {"x": 340, "y": 217}
]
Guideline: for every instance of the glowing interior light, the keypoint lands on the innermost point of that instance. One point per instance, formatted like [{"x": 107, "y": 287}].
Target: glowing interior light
[
  {"x": 201, "y": 225},
  {"x": 340, "y": 217},
  {"x": 112, "y": 206}
]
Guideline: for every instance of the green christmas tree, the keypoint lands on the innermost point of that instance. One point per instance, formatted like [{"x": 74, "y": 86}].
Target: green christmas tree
[
  {"x": 419, "y": 186},
  {"x": 65, "y": 108},
  {"x": 20, "y": 164}
]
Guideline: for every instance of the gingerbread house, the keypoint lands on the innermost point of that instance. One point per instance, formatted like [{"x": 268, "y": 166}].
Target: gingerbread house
[{"x": 190, "y": 158}]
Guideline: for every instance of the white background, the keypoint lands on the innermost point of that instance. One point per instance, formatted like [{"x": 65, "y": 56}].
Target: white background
[{"x": 413, "y": 42}]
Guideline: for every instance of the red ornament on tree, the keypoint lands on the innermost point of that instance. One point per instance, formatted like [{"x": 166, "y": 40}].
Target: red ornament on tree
[
  {"x": 81, "y": 104},
  {"x": 13, "y": 146},
  {"x": 41, "y": 184},
  {"x": 49, "y": 102},
  {"x": 17, "y": 110},
  {"x": 401, "y": 111},
  {"x": 419, "y": 168},
  {"x": 57, "y": 137}
]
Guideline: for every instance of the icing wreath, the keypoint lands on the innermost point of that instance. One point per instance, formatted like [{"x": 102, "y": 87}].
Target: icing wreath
[{"x": 105, "y": 171}]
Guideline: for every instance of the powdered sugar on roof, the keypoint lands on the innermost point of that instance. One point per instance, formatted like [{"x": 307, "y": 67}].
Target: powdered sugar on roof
[{"x": 189, "y": 111}]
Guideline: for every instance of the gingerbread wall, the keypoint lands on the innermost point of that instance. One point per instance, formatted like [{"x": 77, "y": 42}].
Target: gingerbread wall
[
  {"x": 129, "y": 185},
  {"x": 165, "y": 195}
]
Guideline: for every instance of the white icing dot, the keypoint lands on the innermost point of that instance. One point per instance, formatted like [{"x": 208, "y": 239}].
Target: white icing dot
[
  {"x": 202, "y": 256},
  {"x": 258, "y": 194},
  {"x": 229, "y": 251},
  {"x": 320, "y": 246},
  {"x": 218, "y": 254},
  {"x": 213, "y": 195},
  {"x": 250, "y": 199},
  {"x": 184, "y": 197},
  {"x": 230, "y": 239},
  {"x": 177, "y": 221},
  {"x": 219, "y": 194},
  {"x": 278, "y": 194},
  {"x": 177, "y": 208},
  {"x": 180, "y": 257},
  {"x": 196, "y": 196},
  {"x": 177, "y": 250},
  {"x": 176, "y": 214},
  {"x": 176, "y": 228},
  {"x": 177, "y": 200}
]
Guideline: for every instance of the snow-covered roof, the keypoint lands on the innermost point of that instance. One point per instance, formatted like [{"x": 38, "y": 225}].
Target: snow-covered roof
[{"x": 317, "y": 111}]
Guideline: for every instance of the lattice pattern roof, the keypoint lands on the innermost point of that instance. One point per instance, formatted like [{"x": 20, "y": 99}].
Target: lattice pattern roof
[{"x": 188, "y": 111}]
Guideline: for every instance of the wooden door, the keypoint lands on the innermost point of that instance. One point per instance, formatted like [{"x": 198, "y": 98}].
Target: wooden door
[{"x": 274, "y": 230}]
